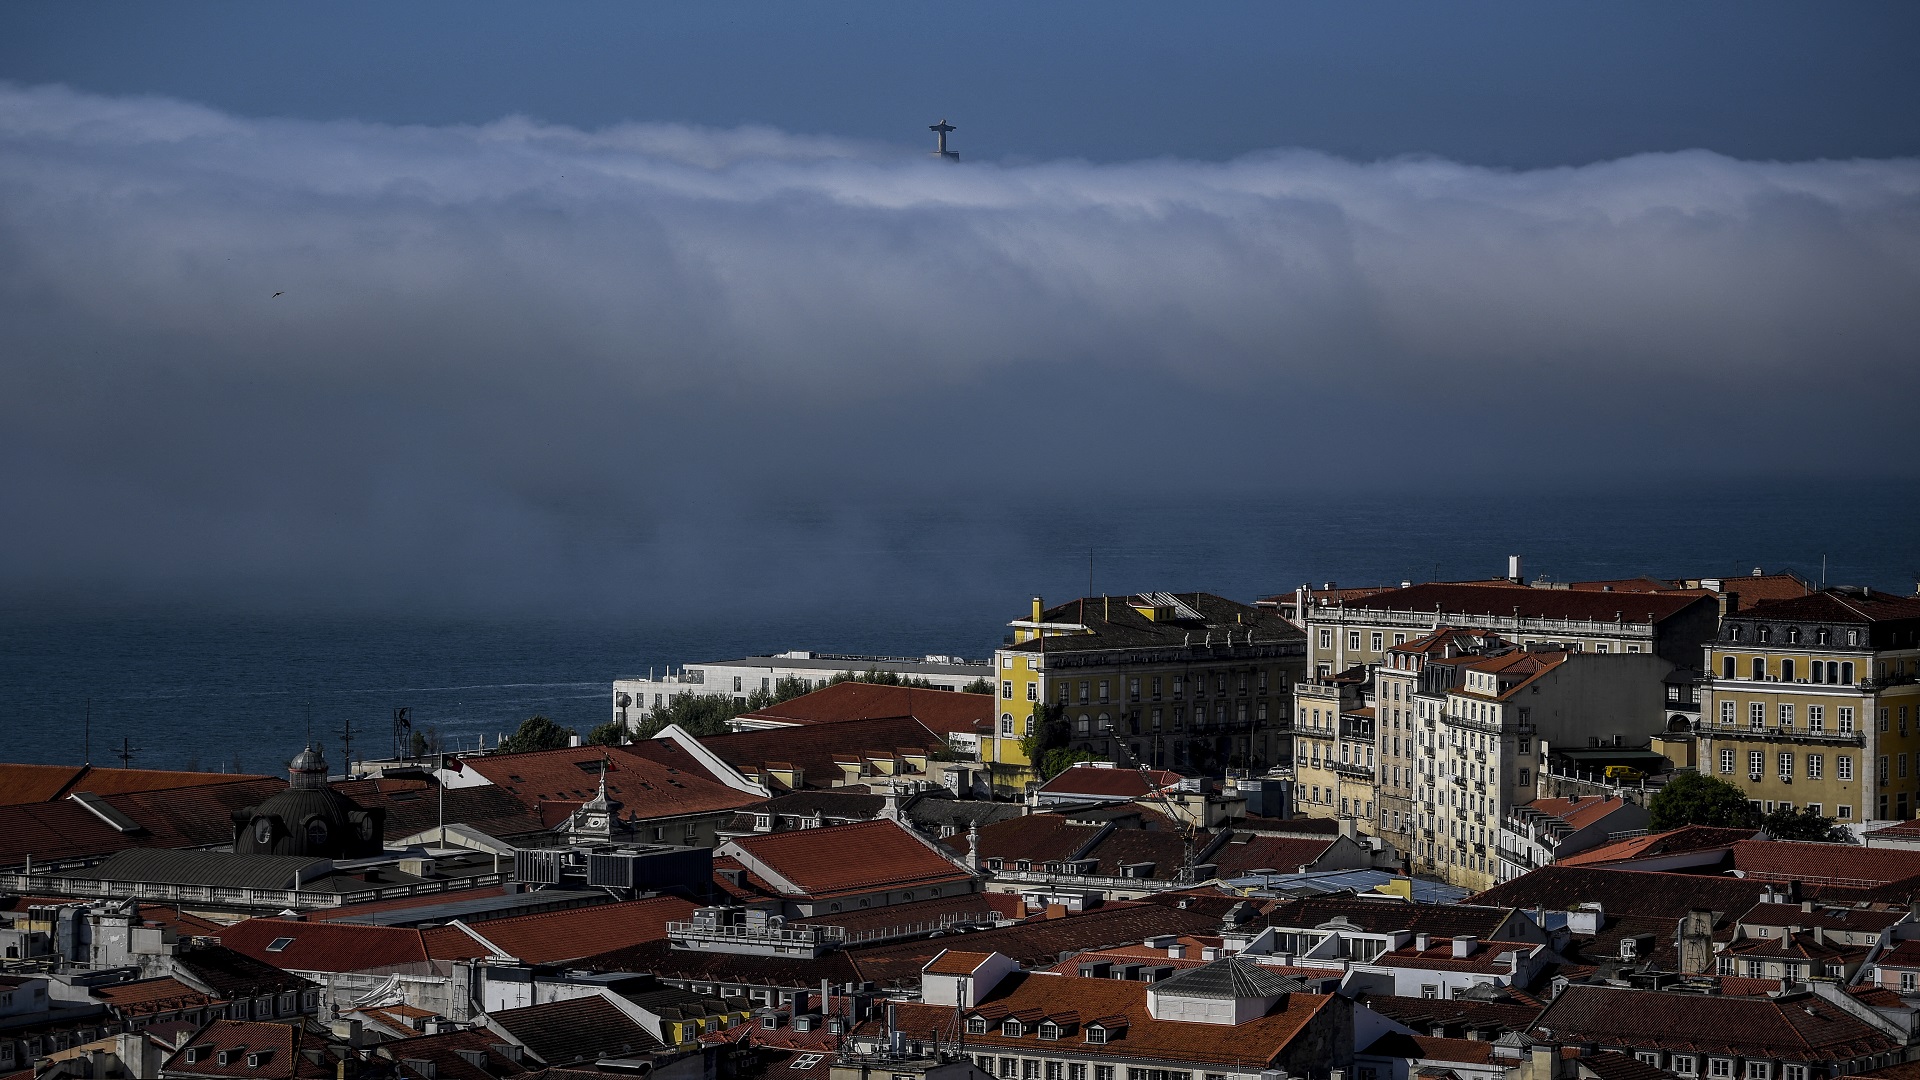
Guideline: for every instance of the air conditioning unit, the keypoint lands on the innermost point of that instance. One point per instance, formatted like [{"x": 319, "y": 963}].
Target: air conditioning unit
[{"x": 1755, "y": 777}]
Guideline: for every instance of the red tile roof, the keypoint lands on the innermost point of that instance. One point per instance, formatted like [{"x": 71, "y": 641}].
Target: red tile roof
[
  {"x": 184, "y": 817},
  {"x": 1036, "y": 837},
  {"x": 45, "y": 783},
  {"x": 1797, "y": 1028},
  {"x": 849, "y": 858},
  {"x": 1109, "y": 782},
  {"x": 148, "y": 996},
  {"x": 1037, "y": 942},
  {"x": 1284, "y": 854},
  {"x": 282, "y": 1045},
  {"x": 1427, "y": 1048},
  {"x": 1122, "y": 1004},
  {"x": 552, "y": 937},
  {"x": 1672, "y": 842},
  {"x": 942, "y": 711},
  {"x": 1838, "y": 864},
  {"x": 956, "y": 962},
  {"x": 813, "y": 749},
  {"x": 1579, "y": 812},
  {"x": 647, "y": 788},
  {"x": 324, "y": 946}
]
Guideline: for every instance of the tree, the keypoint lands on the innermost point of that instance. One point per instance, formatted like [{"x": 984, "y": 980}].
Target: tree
[
  {"x": 536, "y": 732},
  {"x": 418, "y": 744},
  {"x": 1060, "y": 759},
  {"x": 783, "y": 690},
  {"x": 1046, "y": 734},
  {"x": 1692, "y": 798},
  {"x": 882, "y": 678},
  {"x": 611, "y": 733},
  {"x": 1803, "y": 824},
  {"x": 697, "y": 714},
  {"x": 978, "y": 686}
]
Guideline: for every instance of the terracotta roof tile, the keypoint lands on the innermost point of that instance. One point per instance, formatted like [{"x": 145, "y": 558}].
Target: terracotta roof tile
[
  {"x": 1118, "y": 1003},
  {"x": 1671, "y": 842},
  {"x": 1109, "y": 782},
  {"x": 186, "y": 817},
  {"x": 956, "y": 962},
  {"x": 647, "y": 788},
  {"x": 1035, "y": 837},
  {"x": 1843, "y": 864},
  {"x": 1625, "y": 892},
  {"x": 817, "y": 862},
  {"x": 942, "y": 711},
  {"x": 283, "y": 1047},
  {"x": 1800, "y": 1028},
  {"x": 552, "y": 937},
  {"x": 1037, "y": 943},
  {"x": 576, "y": 1030},
  {"x": 44, "y": 783},
  {"x": 1501, "y": 600},
  {"x": 323, "y": 946}
]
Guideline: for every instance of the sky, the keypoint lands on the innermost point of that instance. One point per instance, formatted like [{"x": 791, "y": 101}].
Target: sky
[{"x": 366, "y": 299}]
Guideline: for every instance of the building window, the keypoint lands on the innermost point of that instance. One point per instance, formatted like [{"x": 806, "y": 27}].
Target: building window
[
  {"x": 1759, "y": 1070},
  {"x": 976, "y": 1025},
  {"x": 1816, "y": 766},
  {"x": 1726, "y": 760},
  {"x": 1726, "y": 713},
  {"x": 1786, "y": 670},
  {"x": 1326, "y": 638},
  {"x": 1786, "y": 766},
  {"x": 1683, "y": 1065},
  {"x": 1006, "y": 725},
  {"x": 1883, "y": 768},
  {"x": 1759, "y": 667},
  {"x": 1103, "y": 691},
  {"x": 1033, "y": 691},
  {"x": 1720, "y": 1067},
  {"x": 1353, "y": 640},
  {"x": 1756, "y": 715},
  {"x": 1846, "y": 719},
  {"x": 1844, "y": 812},
  {"x": 1846, "y": 670},
  {"x": 1909, "y": 981},
  {"x": 1756, "y": 763},
  {"x": 1816, "y": 718},
  {"x": 1786, "y": 716},
  {"x": 1378, "y": 641},
  {"x": 1727, "y": 666},
  {"x": 1006, "y": 689}
]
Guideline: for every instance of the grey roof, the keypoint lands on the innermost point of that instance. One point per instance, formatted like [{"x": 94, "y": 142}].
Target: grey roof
[
  {"x": 220, "y": 869},
  {"x": 1229, "y": 978},
  {"x": 934, "y": 812}
]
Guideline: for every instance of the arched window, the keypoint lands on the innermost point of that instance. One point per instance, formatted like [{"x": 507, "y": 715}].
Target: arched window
[
  {"x": 1833, "y": 672},
  {"x": 1786, "y": 670},
  {"x": 1726, "y": 666},
  {"x": 1815, "y": 670},
  {"x": 1733, "y": 633},
  {"x": 1846, "y": 672},
  {"x": 1759, "y": 667},
  {"x": 1822, "y": 636},
  {"x": 1766, "y": 633}
]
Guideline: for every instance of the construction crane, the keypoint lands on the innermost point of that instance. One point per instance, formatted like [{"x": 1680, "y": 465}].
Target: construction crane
[{"x": 1189, "y": 830}]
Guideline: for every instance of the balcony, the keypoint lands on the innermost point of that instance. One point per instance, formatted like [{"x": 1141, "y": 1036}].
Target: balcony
[{"x": 1777, "y": 733}]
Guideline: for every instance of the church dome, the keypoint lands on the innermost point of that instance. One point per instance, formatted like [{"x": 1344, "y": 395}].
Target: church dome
[{"x": 308, "y": 818}]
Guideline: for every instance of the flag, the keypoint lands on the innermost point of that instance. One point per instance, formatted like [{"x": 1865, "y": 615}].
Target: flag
[{"x": 451, "y": 763}]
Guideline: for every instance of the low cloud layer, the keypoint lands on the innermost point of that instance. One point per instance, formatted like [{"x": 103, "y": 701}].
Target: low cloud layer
[{"x": 526, "y": 361}]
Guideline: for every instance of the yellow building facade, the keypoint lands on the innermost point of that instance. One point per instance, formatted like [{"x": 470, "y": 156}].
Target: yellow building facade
[
  {"x": 1182, "y": 681},
  {"x": 1815, "y": 702}
]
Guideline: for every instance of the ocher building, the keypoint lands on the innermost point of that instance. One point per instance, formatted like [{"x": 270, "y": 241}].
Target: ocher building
[
  {"x": 1815, "y": 702},
  {"x": 1184, "y": 681}
]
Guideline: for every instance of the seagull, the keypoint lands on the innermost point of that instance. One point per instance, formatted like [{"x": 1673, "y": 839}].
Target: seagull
[{"x": 276, "y": 294}]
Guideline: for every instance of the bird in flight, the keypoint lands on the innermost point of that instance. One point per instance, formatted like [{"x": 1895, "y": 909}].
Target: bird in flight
[{"x": 276, "y": 294}]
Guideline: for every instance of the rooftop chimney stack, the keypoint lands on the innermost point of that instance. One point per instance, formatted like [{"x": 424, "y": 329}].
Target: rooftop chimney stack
[{"x": 1513, "y": 570}]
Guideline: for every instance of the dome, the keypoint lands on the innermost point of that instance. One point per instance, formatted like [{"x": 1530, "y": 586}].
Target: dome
[{"x": 309, "y": 818}]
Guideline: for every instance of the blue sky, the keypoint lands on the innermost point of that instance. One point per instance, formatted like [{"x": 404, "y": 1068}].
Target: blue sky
[
  {"x": 380, "y": 301},
  {"x": 1514, "y": 84}
]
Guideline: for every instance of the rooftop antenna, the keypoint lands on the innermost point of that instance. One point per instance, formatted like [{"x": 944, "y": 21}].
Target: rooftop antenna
[
  {"x": 127, "y": 750},
  {"x": 346, "y": 745},
  {"x": 86, "y": 739},
  {"x": 1089, "y": 570},
  {"x": 940, "y": 131}
]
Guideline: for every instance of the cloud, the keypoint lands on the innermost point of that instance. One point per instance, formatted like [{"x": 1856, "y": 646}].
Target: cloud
[{"x": 527, "y": 360}]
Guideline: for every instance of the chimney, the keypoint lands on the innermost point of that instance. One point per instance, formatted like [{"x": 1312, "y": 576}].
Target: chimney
[
  {"x": 1422, "y": 942},
  {"x": 1464, "y": 945},
  {"x": 1036, "y": 609},
  {"x": 1513, "y": 569}
]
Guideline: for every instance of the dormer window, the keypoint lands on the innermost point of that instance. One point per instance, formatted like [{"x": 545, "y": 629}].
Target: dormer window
[
  {"x": 976, "y": 1025},
  {"x": 1012, "y": 1028},
  {"x": 1049, "y": 1030},
  {"x": 1096, "y": 1034},
  {"x": 279, "y": 944}
]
